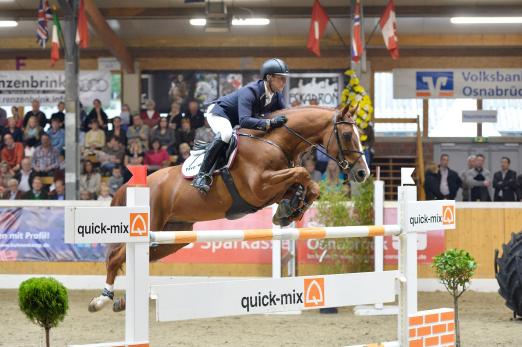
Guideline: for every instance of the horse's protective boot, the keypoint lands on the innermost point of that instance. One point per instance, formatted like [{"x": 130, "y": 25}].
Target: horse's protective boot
[{"x": 203, "y": 180}]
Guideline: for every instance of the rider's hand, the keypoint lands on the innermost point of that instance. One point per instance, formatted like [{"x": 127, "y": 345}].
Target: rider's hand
[{"x": 278, "y": 121}]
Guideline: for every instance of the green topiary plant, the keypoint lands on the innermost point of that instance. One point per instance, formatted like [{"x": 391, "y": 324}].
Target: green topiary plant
[
  {"x": 44, "y": 301},
  {"x": 455, "y": 268}
]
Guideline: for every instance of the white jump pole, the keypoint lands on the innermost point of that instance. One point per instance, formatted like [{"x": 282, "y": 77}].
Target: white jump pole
[{"x": 276, "y": 250}]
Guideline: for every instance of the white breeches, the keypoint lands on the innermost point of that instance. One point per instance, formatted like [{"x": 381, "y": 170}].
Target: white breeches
[{"x": 219, "y": 125}]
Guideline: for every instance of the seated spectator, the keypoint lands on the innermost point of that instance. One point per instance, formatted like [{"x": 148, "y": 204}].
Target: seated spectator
[
  {"x": 204, "y": 133},
  {"x": 104, "y": 193},
  {"x": 505, "y": 182},
  {"x": 156, "y": 157},
  {"x": 111, "y": 156},
  {"x": 309, "y": 165},
  {"x": 125, "y": 117},
  {"x": 59, "y": 174},
  {"x": 19, "y": 120},
  {"x": 118, "y": 131},
  {"x": 57, "y": 134},
  {"x": 12, "y": 153},
  {"x": 3, "y": 118},
  {"x": 95, "y": 138},
  {"x": 165, "y": 135},
  {"x": 40, "y": 118},
  {"x": 174, "y": 116},
  {"x": 58, "y": 193},
  {"x": 196, "y": 117},
  {"x": 12, "y": 193},
  {"x": 432, "y": 182},
  {"x": 138, "y": 133},
  {"x": 184, "y": 153},
  {"x": 5, "y": 173},
  {"x": 13, "y": 130},
  {"x": 185, "y": 133},
  {"x": 60, "y": 115},
  {"x": 45, "y": 158},
  {"x": 479, "y": 179},
  {"x": 150, "y": 116},
  {"x": 32, "y": 133},
  {"x": 98, "y": 114},
  {"x": 85, "y": 195},
  {"x": 90, "y": 180},
  {"x": 37, "y": 192},
  {"x": 25, "y": 176},
  {"x": 134, "y": 155},
  {"x": 116, "y": 180}
]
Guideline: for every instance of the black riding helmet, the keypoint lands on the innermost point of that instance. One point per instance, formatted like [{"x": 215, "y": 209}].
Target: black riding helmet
[{"x": 274, "y": 66}]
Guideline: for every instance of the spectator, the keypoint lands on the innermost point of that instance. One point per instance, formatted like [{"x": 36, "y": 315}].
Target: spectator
[
  {"x": 12, "y": 153},
  {"x": 90, "y": 180},
  {"x": 25, "y": 176},
  {"x": 150, "y": 116},
  {"x": 19, "y": 120},
  {"x": 195, "y": 115},
  {"x": 36, "y": 193},
  {"x": 333, "y": 176},
  {"x": 60, "y": 115},
  {"x": 16, "y": 132},
  {"x": 165, "y": 135},
  {"x": 134, "y": 155},
  {"x": 184, "y": 153},
  {"x": 432, "y": 182},
  {"x": 5, "y": 173},
  {"x": 84, "y": 126},
  {"x": 321, "y": 160},
  {"x": 185, "y": 133},
  {"x": 59, "y": 174},
  {"x": 157, "y": 157},
  {"x": 41, "y": 119},
  {"x": 313, "y": 101},
  {"x": 85, "y": 195},
  {"x": 505, "y": 182},
  {"x": 111, "y": 156},
  {"x": 97, "y": 113},
  {"x": 45, "y": 158},
  {"x": 116, "y": 180},
  {"x": 12, "y": 193},
  {"x": 138, "y": 133},
  {"x": 104, "y": 193},
  {"x": 309, "y": 165},
  {"x": 125, "y": 116},
  {"x": 95, "y": 138},
  {"x": 32, "y": 133},
  {"x": 204, "y": 133},
  {"x": 466, "y": 186},
  {"x": 479, "y": 179},
  {"x": 174, "y": 116},
  {"x": 58, "y": 193},
  {"x": 119, "y": 131},
  {"x": 449, "y": 180},
  {"x": 519, "y": 187},
  {"x": 57, "y": 134}
]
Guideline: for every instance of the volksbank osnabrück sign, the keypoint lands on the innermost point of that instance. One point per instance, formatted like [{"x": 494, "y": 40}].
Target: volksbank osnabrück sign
[{"x": 457, "y": 83}]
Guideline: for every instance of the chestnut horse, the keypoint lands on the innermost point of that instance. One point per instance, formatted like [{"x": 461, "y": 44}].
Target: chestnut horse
[{"x": 263, "y": 174}]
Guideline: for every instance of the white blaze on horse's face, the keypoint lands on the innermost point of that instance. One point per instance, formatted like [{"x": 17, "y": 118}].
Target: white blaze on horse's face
[{"x": 361, "y": 164}]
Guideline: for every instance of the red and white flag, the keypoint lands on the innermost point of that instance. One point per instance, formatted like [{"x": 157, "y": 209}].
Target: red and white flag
[
  {"x": 357, "y": 45},
  {"x": 55, "y": 46},
  {"x": 388, "y": 24},
  {"x": 82, "y": 32},
  {"x": 317, "y": 27}
]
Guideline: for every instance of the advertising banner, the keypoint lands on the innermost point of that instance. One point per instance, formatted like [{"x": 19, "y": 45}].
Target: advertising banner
[{"x": 323, "y": 87}]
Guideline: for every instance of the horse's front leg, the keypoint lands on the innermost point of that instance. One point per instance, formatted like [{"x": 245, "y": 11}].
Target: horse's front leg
[{"x": 312, "y": 193}]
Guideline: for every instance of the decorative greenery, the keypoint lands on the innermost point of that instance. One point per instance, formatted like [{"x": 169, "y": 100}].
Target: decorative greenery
[
  {"x": 455, "y": 268},
  {"x": 44, "y": 301},
  {"x": 355, "y": 95}
]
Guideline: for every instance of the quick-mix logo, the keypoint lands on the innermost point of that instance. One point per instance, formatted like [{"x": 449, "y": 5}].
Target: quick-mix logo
[
  {"x": 137, "y": 226},
  {"x": 446, "y": 217},
  {"x": 312, "y": 295}
]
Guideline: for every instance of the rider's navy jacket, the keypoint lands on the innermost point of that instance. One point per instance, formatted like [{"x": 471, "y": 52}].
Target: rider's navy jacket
[{"x": 246, "y": 105}]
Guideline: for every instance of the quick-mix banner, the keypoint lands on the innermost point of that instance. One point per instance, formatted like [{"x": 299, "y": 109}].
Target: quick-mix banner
[
  {"x": 21, "y": 87},
  {"x": 457, "y": 83}
]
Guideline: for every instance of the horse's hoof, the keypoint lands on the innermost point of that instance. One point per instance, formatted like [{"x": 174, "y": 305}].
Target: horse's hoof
[
  {"x": 284, "y": 222},
  {"x": 98, "y": 302},
  {"x": 118, "y": 305},
  {"x": 284, "y": 209}
]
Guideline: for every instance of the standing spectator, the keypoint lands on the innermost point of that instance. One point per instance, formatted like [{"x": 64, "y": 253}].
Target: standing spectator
[
  {"x": 196, "y": 117},
  {"x": 116, "y": 180},
  {"x": 125, "y": 116},
  {"x": 204, "y": 133},
  {"x": 309, "y": 165},
  {"x": 90, "y": 180},
  {"x": 97, "y": 113},
  {"x": 466, "y": 187},
  {"x": 174, "y": 116},
  {"x": 3, "y": 117},
  {"x": 104, "y": 193},
  {"x": 138, "y": 133},
  {"x": 57, "y": 134},
  {"x": 36, "y": 193},
  {"x": 95, "y": 138},
  {"x": 60, "y": 115},
  {"x": 58, "y": 193},
  {"x": 479, "y": 179},
  {"x": 12, "y": 153},
  {"x": 505, "y": 182},
  {"x": 16, "y": 132},
  {"x": 150, "y": 116},
  {"x": 184, "y": 153},
  {"x": 12, "y": 193},
  {"x": 41, "y": 119},
  {"x": 185, "y": 133},
  {"x": 449, "y": 180},
  {"x": 111, "y": 156},
  {"x": 45, "y": 158},
  {"x": 322, "y": 160},
  {"x": 432, "y": 182},
  {"x": 165, "y": 135},
  {"x": 32, "y": 133},
  {"x": 19, "y": 120},
  {"x": 157, "y": 157},
  {"x": 25, "y": 176},
  {"x": 118, "y": 131}
]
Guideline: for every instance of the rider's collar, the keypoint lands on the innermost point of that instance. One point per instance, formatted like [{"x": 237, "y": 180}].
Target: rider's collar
[{"x": 268, "y": 93}]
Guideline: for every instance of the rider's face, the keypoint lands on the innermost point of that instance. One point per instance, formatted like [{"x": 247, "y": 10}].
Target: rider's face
[{"x": 277, "y": 82}]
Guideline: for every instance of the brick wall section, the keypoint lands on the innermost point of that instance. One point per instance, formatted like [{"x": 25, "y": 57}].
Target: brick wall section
[{"x": 432, "y": 328}]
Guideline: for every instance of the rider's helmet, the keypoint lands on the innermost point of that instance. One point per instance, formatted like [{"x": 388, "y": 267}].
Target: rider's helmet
[{"x": 274, "y": 66}]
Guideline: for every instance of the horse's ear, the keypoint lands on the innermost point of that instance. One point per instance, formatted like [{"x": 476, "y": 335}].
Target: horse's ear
[{"x": 345, "y": 110}]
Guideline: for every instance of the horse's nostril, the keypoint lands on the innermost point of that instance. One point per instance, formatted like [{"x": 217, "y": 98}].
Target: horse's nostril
[{"x": 361, "y": 173}]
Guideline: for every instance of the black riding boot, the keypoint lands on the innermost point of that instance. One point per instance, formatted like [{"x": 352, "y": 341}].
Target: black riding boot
[{"x": 203, "y": 179}]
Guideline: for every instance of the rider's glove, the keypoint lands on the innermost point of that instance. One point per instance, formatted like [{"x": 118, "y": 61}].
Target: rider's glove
[{"x": 278, "y": 121}]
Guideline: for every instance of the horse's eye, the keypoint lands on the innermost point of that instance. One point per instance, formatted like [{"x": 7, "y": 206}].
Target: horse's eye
[{"x": 347, "y": 136}]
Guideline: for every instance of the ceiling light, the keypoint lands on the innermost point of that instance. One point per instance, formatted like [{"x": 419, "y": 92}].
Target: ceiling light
[
  {"x": 250, "y": 21},
  {"x": 198, "y": 22},
  {"x": 8, "y": 23},
  {"x": 486, "y": 20}
]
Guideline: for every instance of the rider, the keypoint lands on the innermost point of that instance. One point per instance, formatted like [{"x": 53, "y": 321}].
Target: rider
[{"x": 246, "y": 107}]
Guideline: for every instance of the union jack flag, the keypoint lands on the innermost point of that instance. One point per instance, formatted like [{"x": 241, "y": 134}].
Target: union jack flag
[{"x": 44, "y": 14}]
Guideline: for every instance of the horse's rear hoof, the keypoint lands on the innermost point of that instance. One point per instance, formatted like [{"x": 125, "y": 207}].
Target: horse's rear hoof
[
  {"x": 98, "y": 302},
  {"x": 118, "y": 305}
]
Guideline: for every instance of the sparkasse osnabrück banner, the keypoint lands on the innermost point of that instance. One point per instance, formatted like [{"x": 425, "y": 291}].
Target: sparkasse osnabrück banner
[{"x": 457, "y": 83}]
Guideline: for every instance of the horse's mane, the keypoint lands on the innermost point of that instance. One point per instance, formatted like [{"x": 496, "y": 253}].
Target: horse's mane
[{"x": 291, "y": 111}]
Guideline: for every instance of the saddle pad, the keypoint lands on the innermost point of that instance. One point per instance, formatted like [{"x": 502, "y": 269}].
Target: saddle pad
[{"x": 191, "y": 165}]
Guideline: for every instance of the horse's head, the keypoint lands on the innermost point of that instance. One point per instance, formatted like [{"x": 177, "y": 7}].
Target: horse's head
[{"x": 347, "y": 146}]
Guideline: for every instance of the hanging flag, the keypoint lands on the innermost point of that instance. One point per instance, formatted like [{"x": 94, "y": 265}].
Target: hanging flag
[
  {"x": 56, "y": 39},
  {"x": 388, "y": 24},
  {"x": 82, "y": 32},
  {"x": 44, "y": 14},
  {"x": 357, "y": 46},
  {"x": 317, "y": 27}
]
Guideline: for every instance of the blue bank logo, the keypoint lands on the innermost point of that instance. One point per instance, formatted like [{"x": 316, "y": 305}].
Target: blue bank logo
[{"x": 435, "y": 83}]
